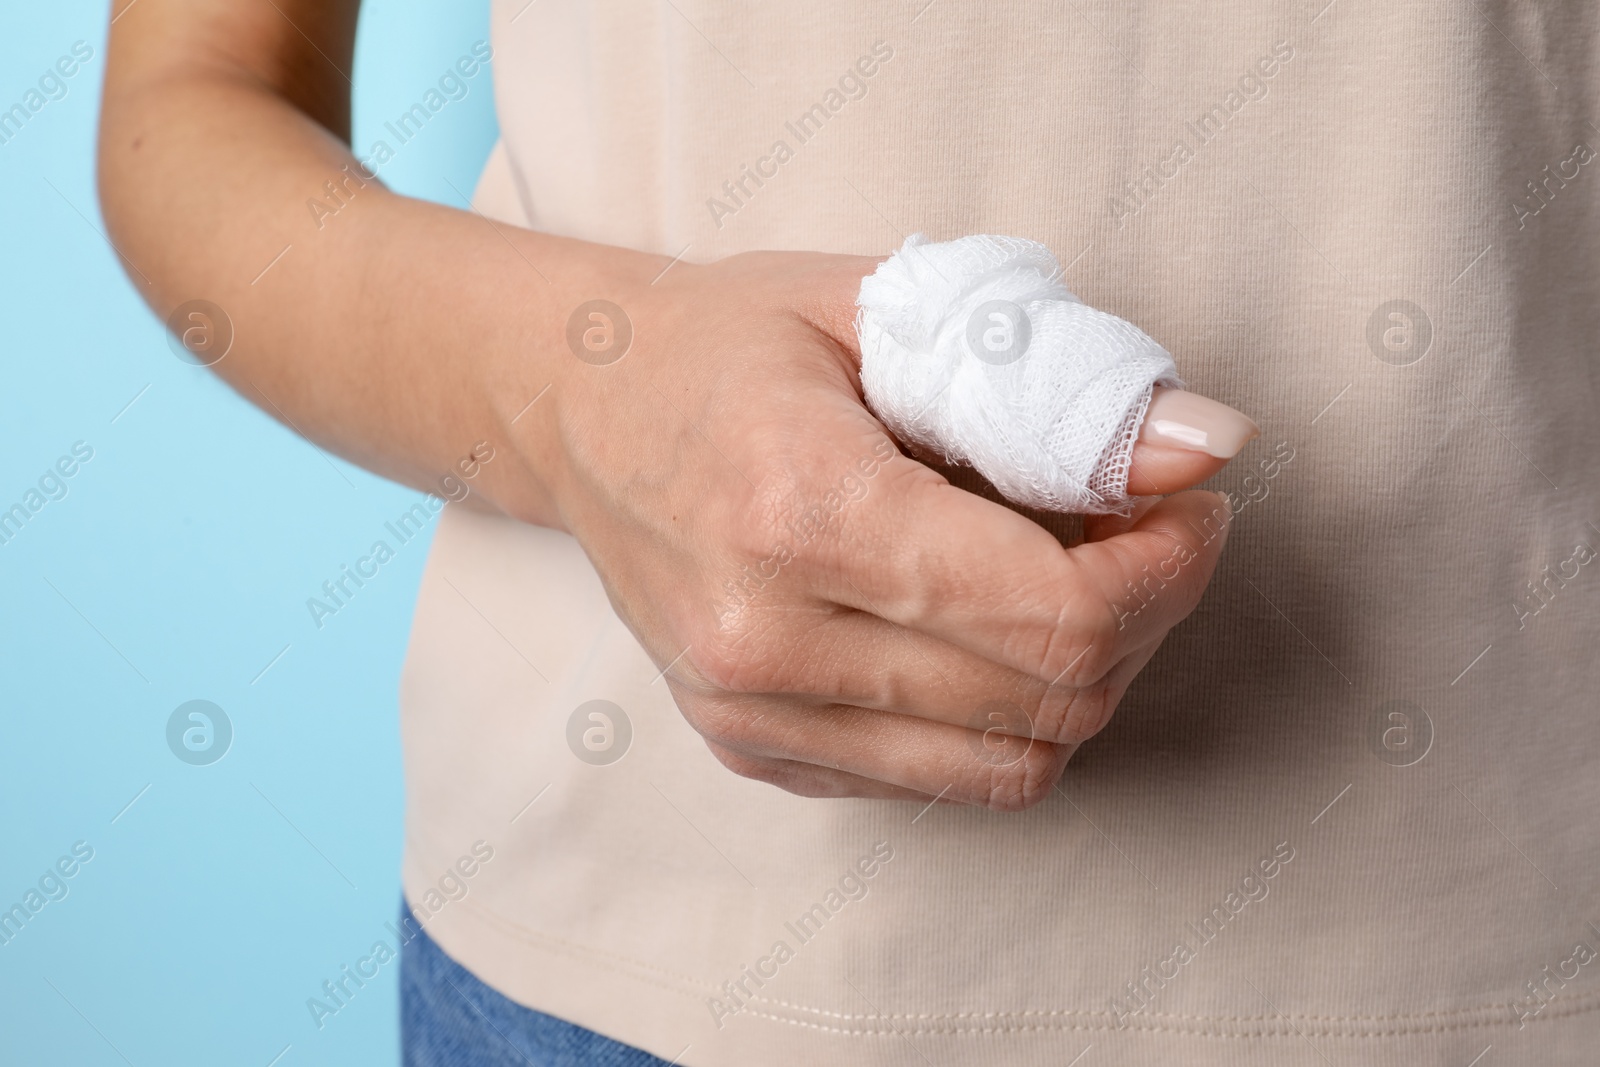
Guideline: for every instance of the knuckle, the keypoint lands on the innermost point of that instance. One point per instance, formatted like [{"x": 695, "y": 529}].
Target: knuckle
[
  {"x": 759, "y": 534},
  {"x": 751, "y": 583},
  {"x": 737, "y": 659},
  {"x": 716, "y": 661},
  {"x": 1081, "y": 646},
  {"x": 1060, "y": 714},
  {"x": 1015, "y": 765},
  {"x": 1021, "y": 784},
  {"x": 723, "y": 723},
  {"x": 1086, "y": 714}
]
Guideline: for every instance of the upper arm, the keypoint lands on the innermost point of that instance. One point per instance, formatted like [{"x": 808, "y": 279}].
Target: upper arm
[{"x": 298, "y": 49}]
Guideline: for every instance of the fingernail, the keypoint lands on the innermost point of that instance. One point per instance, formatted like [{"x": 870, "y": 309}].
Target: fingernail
[{"x": 1181, "y": 419}]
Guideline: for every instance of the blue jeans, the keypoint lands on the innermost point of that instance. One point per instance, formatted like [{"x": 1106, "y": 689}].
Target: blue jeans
[{"x": 450, "y": 1019}]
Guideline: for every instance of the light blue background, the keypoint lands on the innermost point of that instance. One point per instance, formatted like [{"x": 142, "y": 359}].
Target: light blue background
[{"x": 222, "y": 898}]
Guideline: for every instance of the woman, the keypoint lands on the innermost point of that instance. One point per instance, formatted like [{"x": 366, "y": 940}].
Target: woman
[{"x": 1335, "y": 818}]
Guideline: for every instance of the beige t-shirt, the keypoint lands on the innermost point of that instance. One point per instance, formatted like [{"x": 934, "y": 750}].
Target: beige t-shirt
[{"x": 1348, "y": 814}]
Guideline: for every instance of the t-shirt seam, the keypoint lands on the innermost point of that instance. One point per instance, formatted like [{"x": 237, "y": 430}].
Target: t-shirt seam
[
  {"x": 1288, "y": 1029},
  {"x": 1097, "y": 1021}
]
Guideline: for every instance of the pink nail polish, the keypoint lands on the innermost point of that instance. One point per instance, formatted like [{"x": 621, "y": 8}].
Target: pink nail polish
[{"x": 1181, "y": 419}]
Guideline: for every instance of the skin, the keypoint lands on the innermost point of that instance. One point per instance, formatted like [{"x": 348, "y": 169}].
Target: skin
[{"x": 404, "y": 332}]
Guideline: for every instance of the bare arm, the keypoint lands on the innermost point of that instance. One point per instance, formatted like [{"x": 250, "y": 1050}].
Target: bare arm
[
  {"x": 396, "y": 335},
  {"x": 403, "y": 332}
]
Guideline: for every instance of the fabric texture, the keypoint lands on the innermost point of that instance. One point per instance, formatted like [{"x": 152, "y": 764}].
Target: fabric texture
[
  {"x": 1369, "y": 227},
  {"x": 974, "y": 350},
  {"x": 448, "y": 1018}
]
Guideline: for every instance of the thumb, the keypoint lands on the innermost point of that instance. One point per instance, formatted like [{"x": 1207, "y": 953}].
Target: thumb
[{"x": 1185, "y": 438}]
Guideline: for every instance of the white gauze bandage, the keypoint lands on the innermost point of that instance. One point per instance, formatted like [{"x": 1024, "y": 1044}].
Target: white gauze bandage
[{"x": 974, "y": 349}]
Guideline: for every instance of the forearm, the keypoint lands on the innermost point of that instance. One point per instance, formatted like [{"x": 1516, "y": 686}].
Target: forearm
[{"x": 396, "y": 333}]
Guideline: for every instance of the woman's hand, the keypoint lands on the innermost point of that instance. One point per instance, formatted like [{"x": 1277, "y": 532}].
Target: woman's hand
[{"x": 834, "y": 617}]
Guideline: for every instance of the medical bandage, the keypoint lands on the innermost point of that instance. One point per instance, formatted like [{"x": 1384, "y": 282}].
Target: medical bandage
[{"x": 974, "y": 349}]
